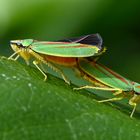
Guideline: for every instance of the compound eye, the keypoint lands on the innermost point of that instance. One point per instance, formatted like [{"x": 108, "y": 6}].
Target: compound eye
[{"x": 137, "y": 93}]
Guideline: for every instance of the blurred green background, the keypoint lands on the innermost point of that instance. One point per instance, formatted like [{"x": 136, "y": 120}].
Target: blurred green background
[{"x": 118, "y": 22}]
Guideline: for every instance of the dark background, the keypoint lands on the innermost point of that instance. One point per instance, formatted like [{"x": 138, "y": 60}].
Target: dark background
[{"x": 118, "y": 22}]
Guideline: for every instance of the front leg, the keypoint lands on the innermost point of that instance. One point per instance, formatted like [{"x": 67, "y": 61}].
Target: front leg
[{"x": 15, "y": 53}]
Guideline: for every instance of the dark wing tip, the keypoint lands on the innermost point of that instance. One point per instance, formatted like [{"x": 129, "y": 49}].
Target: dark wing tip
[{"x": 91, "y": 39}]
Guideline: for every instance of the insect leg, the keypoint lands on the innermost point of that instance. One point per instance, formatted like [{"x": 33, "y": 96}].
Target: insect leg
[
  {"x": 15, "y": 53},
  {"x": 134, "y": 108},
  {"x": 36, "y": 64},
  {"x": 97, "y": 88},
  {"x": 54, "y": 68},
  {"x": 133, "y": 102},
  {"x": 112, "y": 99},
  {"x": 16, "y": 57},
  {"x": 117, "y": 92},
  {"x": 41, "y": 59}
]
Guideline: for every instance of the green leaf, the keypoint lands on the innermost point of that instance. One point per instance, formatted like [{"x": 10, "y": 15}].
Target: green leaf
[{"x": 36, "y": 110}]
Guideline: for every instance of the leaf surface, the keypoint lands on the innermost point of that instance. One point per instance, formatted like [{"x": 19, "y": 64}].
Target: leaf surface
[{"x": 36, "y": 110}]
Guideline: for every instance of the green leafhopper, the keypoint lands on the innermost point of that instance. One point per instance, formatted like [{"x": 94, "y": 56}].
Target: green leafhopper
[
  {"x": 105, "y": 79},
  {"x": 64, "y": 52}
]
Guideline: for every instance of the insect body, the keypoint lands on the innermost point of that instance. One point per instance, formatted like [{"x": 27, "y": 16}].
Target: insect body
[
  {"x": 64, "y": 52},
  {"x": 105, "y": 79}
]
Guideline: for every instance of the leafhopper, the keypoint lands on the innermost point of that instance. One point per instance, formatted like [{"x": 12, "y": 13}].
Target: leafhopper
[
  {"x": 64, "y": 52},
  {"x": 105, "y": 79}
]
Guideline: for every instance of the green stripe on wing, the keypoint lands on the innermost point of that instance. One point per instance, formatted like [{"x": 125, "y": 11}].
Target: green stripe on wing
[
  {"x": 64, "y": 49},
  {"x": 105, "y": 75}
]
